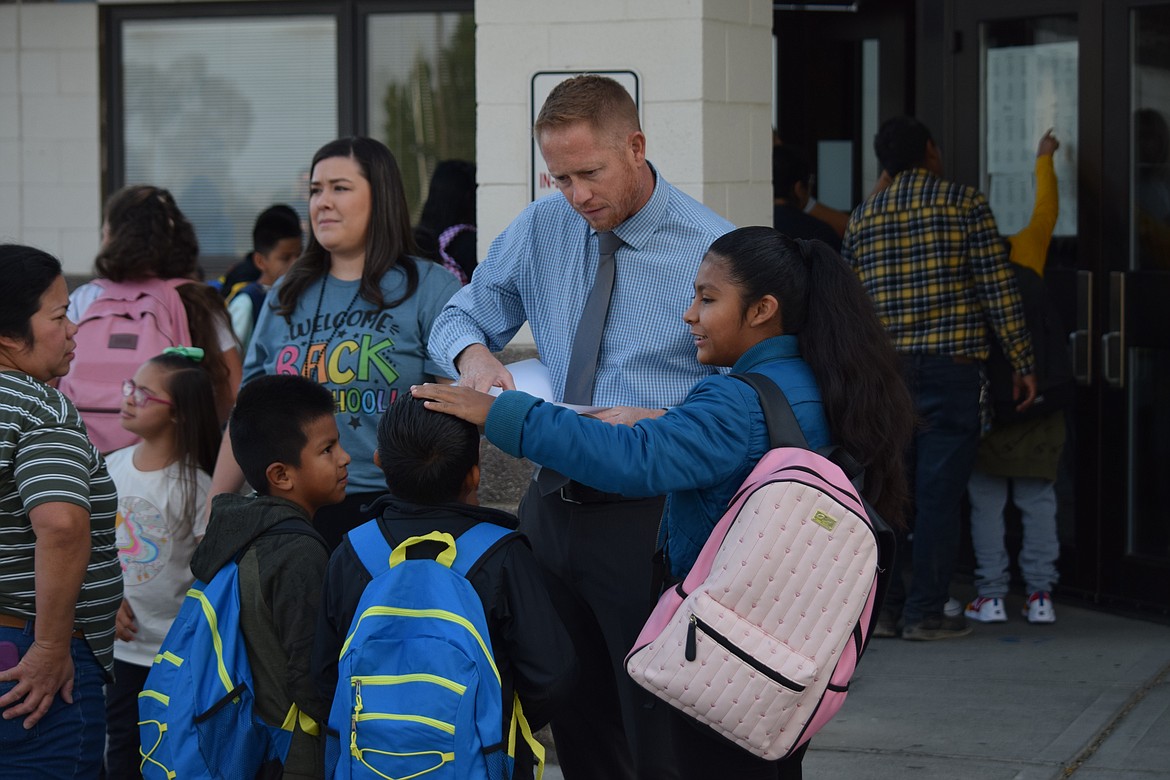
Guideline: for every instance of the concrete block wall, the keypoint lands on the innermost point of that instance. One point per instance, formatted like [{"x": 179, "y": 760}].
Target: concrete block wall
[
  {"x": 50, "y": 154},
  {"x": 705, "y": 75}
]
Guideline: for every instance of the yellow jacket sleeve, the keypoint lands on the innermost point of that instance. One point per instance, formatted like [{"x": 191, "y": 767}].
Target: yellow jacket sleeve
[{"x": 1030, "y": 245}]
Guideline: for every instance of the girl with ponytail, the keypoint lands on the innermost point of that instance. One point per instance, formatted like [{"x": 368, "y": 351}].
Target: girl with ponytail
[{"x": 792, "y": 310}]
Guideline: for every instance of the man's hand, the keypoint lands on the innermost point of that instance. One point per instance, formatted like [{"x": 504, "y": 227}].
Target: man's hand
[
  {"x": 627, "y": 415},
  {"x": 1023, "y": 390},
  {"x": 125, "y": 627},
  {"x": 480, "y": 370},
  {"x": 456, "y": 400},
  {"x": 45, "y": 671}
]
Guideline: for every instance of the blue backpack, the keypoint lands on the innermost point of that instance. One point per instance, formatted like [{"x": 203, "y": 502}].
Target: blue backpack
[
  {"x": 418, "y": 692},
  {"x": 195, "y": 712}
]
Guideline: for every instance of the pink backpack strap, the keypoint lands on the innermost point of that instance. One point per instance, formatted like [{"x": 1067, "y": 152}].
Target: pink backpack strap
[{"x": 445, "y": 239}]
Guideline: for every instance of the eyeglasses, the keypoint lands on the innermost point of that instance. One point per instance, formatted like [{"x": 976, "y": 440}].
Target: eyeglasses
[{"x": 140, "y": 396}]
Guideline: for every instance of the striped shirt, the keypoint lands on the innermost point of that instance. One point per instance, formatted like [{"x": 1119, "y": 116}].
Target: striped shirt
[
  {"x": 46, "y": 457},
  {"x": 541, "y": 269},
  {"x": 931, "y": 258}
]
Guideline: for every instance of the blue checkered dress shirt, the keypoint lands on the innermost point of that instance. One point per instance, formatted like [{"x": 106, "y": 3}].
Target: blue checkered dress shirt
[{"x": 541, "y": 269}]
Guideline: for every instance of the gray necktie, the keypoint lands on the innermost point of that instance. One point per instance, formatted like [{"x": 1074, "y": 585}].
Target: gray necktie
[
  {"x": 586, "y": 345},
  {"x": 587, "y": 340}
]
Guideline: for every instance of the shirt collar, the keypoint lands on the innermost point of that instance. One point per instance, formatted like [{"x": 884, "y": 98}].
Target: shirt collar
[
  {"x": 637, "y": 230},
  {"x": 775, "y": 348}
]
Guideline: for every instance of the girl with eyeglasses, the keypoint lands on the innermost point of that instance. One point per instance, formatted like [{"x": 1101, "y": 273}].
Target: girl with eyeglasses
[{"x": 162, "y": 484}]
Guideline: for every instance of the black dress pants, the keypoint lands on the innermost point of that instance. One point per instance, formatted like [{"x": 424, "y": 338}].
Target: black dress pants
[{"x": 599, "y": 560}]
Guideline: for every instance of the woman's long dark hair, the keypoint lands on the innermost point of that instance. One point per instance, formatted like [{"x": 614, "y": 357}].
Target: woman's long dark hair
[
  {"x": 450, "y": 201},
  {"x": 822, "y": 302},
  {"x": 389, "y": 241},
  {"x": 197, "y": 433}
]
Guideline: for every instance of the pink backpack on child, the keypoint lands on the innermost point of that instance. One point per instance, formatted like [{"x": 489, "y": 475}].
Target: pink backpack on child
[
  {"x": 125, "y": 326},
  {"x": 761, "y": 638}
]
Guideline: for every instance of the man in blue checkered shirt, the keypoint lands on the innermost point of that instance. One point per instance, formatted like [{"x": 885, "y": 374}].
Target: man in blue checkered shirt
[
  {"x": 930, "y": 256},
  {"x": 598, "y": 546}
]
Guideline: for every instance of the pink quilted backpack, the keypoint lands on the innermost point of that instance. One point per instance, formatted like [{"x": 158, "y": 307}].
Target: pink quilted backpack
[
  {"x": 126, "y": 325},
  {"x": 761, "y": 638}
]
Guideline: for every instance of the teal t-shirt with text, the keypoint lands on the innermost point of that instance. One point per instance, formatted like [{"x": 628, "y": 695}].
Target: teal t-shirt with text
[{"x": 365, "y": 357}]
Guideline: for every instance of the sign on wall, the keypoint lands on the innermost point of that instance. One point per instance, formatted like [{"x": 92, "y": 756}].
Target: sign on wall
[{"x": 543, "y": 83}]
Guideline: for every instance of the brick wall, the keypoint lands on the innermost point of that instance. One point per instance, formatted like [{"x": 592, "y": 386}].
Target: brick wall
[{"x": 50, "y": 177}]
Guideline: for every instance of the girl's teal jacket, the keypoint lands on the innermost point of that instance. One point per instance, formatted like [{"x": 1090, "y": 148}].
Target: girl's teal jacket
[{"x": 698, "y": 453}]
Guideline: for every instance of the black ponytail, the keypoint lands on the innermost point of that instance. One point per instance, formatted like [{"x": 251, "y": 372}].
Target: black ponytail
[{"x": 866, "y": 402}]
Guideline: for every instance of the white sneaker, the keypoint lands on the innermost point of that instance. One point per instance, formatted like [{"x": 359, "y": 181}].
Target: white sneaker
[
  {"x": 1039, "y": 608},
  {"x": 953, "y": 607},
  {"x": 986, "y": 610}
]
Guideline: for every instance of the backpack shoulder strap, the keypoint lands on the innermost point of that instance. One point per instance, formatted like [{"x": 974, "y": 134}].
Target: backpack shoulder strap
[
  {"x": 292, "y": 525},
  {"x": 783, "y": 429},
  {"x": 371, "y": 546},
  {"x": 474, "y": 544}
]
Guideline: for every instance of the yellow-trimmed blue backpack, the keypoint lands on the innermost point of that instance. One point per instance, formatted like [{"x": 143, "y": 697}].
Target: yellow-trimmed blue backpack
[
  {"x": 419, "y": 694},
  {"x": 196, "y": 715}
]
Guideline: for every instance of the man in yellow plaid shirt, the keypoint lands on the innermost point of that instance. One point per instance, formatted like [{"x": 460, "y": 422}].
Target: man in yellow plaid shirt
[{"x": 930, "y": 256}]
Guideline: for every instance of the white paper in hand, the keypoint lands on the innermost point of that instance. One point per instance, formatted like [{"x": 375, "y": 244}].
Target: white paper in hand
[{"x": 531, "y": 376}]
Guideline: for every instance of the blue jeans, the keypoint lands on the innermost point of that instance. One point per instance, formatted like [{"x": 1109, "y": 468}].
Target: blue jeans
[
  {"x": 942, "y": 455},
  {"x": 69, "y": 740},
  {"x": 1036, "y": 500}
]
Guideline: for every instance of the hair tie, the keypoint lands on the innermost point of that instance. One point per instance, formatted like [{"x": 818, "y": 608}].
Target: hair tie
[
  {"x": 191, "y": 353},
  {"x": 806, "y": 253}
]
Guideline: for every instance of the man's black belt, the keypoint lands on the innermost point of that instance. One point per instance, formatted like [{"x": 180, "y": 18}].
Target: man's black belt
[{"x": 574, "y": 492}]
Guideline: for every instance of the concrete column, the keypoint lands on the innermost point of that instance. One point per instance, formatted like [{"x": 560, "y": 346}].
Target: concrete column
[{"x": 705, "y": 71}]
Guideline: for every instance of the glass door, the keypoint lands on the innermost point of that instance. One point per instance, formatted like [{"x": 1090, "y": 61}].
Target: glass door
[
  {"x": 1017, "y": 74},
  {"x": 1098, "y": 71},
  {"x": 1135, "y": 347}
]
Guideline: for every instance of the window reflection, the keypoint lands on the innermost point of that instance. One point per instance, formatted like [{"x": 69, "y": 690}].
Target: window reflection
[
  {"x": 1148, "y": 358},
  {"x": 226, "y": 114},
  {"x": 422, "y": 92},
  {"x": 1151, "y": 138}
]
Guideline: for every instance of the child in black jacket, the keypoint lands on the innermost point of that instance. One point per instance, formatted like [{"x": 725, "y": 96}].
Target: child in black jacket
[{"x": 431, "y": 463}]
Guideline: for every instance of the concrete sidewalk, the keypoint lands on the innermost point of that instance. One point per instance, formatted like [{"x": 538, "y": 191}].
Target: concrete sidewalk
[{"x": 1086, "y": 698}]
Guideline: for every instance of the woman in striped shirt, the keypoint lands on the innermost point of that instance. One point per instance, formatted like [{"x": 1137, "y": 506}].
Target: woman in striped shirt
[{"x": 60, "y": 581}]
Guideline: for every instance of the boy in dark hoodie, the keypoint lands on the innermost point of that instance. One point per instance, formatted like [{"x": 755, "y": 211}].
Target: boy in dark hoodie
[
  {"x": 431, "y": 463},
  {"x": 284, "y": 436}
]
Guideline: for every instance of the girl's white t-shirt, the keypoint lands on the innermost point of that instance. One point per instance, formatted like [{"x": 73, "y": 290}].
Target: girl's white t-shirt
[{"x": 155, "y": 543}]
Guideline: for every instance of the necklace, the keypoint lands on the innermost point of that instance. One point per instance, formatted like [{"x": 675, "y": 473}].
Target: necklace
[{"x": 337, "y": 323}]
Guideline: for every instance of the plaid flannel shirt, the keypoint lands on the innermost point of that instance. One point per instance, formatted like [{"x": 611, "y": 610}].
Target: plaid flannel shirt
[{"x": 930, "y": 256}]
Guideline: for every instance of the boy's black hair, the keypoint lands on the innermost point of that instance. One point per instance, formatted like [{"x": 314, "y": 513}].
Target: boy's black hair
[
  {"x": 269, "y": 420},
  {"x": 275, "y": 224},
  {"x": 900, "y": 144},
  {"x": 425, "y": 455}
]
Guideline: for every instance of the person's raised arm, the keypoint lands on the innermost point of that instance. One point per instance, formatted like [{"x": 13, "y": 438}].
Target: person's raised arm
[
  {"x": 835, "y": 219},
  {"x": 60, "y": 559},
  {"x": 228, "y": 476}
]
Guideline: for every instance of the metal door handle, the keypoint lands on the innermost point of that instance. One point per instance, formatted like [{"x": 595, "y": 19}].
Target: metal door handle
[
  {"x": 1113, "y": 342},
  {"x": 1079, "y": 340}
]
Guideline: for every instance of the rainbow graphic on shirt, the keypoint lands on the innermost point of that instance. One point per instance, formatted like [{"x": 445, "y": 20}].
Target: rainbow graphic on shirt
[{"x": 143, "y": 539}]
